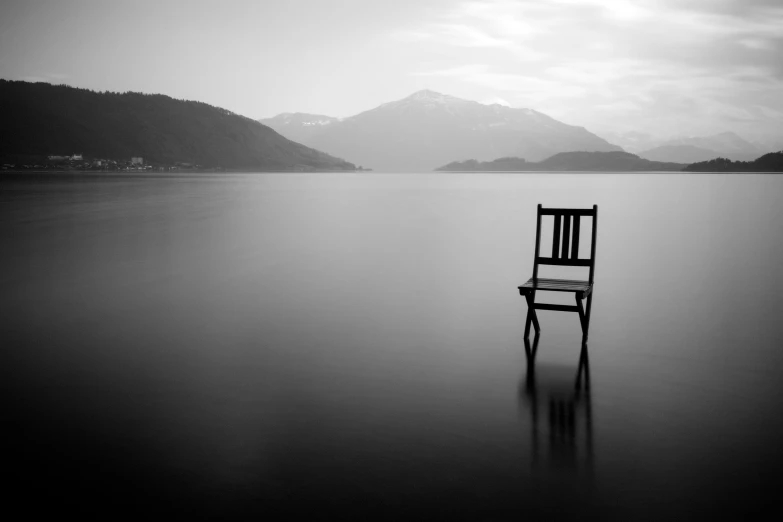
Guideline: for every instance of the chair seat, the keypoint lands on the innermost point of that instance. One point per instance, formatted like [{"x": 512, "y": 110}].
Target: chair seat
[{"x": 582, "y": 288}]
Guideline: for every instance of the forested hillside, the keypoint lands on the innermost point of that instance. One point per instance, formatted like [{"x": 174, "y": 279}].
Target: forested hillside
[{"x": 44, "y": 119}]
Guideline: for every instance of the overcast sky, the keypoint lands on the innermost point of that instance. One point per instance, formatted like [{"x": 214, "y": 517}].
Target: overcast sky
[{"x": 669, "y": 68}]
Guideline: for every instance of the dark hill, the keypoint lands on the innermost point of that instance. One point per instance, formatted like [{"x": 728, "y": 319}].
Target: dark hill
[
  {"x": 568, "y": 161},
  {"x": 507, "y": 164},
  {"x": 43, "y": 119},
  {"x": 772, "y": 162},
  {"x": 605, "y": 161}
]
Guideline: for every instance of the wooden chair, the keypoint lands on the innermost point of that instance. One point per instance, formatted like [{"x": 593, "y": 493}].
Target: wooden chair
[{"x": 562, "y": 255}]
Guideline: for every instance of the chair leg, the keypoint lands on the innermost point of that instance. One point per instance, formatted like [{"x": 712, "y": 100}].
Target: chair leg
[
  {"x": 531, "y": 315},
  {"x": 581, "y": 316},
  {"x": 587, "y": 317},
  {"x": 583, "y": 370},
  {"x": 531, "y": 351}
]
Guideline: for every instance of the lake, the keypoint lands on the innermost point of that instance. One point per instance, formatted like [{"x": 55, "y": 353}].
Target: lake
[{"x": 350, "y": 345}]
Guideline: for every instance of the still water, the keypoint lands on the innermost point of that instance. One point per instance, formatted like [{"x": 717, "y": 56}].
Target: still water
[{"x": 338, "y": 345}]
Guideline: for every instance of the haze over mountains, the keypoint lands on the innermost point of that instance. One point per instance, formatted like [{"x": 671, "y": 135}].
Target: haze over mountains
[
  {"x": 689, "y": 149},
  {"x": 427, "y": 130},
  {"x": 702, "y": 148},
  {"x": 44, "y": 119},
  {"x": 679, "y": 153},
  {"x": 299, "y": 126}
]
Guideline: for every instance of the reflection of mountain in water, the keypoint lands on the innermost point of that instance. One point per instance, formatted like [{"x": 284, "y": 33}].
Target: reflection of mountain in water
[{"x": 557, "y": 397}]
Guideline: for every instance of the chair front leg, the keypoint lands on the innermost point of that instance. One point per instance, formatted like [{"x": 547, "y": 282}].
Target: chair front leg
[
  {"x": 587, "y": 317},
  {"x": 531, "y": 314},
  {"x": 581, "y": 316}
]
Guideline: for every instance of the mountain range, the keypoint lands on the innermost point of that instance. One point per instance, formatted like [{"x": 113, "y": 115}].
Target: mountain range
[
  {"x": 427, "y": 129},
  {"x": 43, "y": 119},
  {"x": 701, "y": 148},
  {"x": 614, "y": 161},
  {"x": 689, "y": 149},
  {"x": 418, "y": 133}
]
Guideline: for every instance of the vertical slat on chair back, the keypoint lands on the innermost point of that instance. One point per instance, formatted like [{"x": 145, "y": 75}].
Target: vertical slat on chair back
[
  {"x": 538, "y": 242},
  {"x": 566, "y": 234},
  {"x": 565, "y": 246},
  {"x": 592, "y": 241},
  {"x": 575, "y": 238}
]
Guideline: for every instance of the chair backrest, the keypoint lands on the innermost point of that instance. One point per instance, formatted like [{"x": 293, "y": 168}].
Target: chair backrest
[{"x": 565, "y": 246}]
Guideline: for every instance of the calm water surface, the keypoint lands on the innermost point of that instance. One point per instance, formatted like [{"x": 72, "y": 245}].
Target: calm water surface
[{"x": 335, "y": 345}]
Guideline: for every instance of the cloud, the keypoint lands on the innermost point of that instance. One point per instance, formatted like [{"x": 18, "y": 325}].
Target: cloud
[
  {"x": 614, "y": 9},
  {"x": 757, "y": 43},
  {"x": 597, "y": 63},
  {"x": 468, "y": 36},
  {"x": 507, "y": 18},
  {"x": 525, "y": 88}
]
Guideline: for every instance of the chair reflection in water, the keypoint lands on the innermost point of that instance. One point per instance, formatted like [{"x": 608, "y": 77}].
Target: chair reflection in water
[
  {"x": 567, "y": 406},
  {"x": 565, "y": 252}
]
